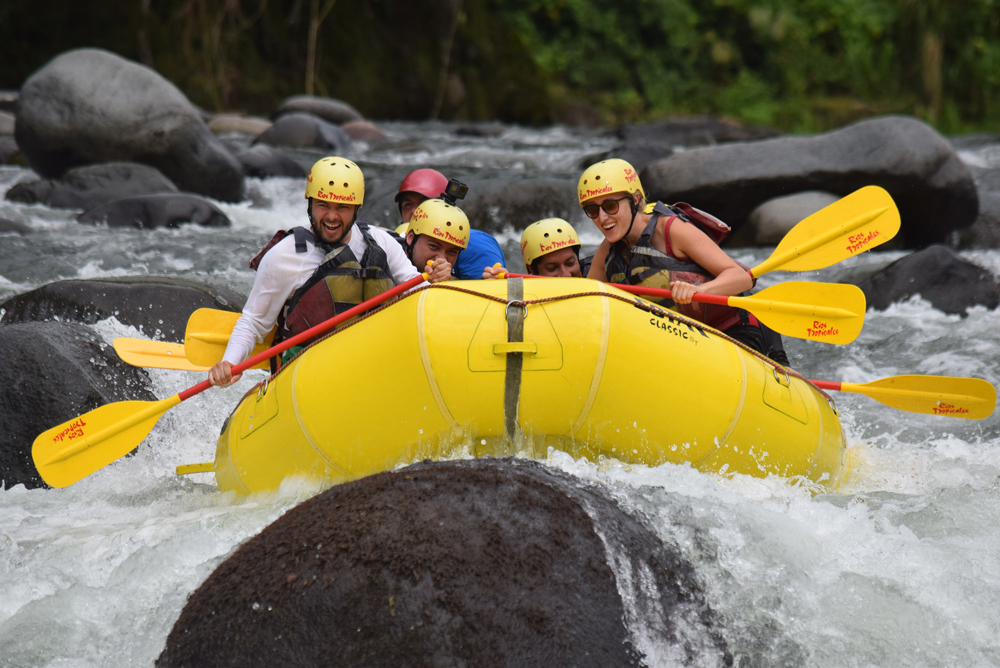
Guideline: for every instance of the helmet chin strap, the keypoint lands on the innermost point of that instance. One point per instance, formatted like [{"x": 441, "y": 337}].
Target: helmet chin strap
[{"x": 635, "y": 210}]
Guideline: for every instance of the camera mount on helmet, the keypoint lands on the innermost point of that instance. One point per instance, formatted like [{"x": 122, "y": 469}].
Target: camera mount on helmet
[{"x": 454, "y": 191}]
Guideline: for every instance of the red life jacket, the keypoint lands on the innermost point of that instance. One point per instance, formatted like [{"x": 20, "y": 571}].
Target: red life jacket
[
  {"x": 338, "y": 283},
  {"x": 650, "y": 267}
]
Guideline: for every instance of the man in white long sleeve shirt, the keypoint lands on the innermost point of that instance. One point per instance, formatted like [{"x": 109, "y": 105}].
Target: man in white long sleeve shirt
[{"x": 307, "y": 276}]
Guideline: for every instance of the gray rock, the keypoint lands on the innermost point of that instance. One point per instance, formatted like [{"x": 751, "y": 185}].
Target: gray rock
[
  {"x": 649, "y": 142},
  {"x": 92, "y": 186},
  {"x": 90, "y": 105},
  {"x": 152, "y": 211},
  {"x": 157, "y": 306},
  {"x": 932, "y": 187},
  {"x": 262, "y": 160},
  {"x": 467, "y": 563},
  {"x": 327, "y": 108},
  {"x": 950, "y": 283},
  {"x": 985, "y": 232},
  {"x": 493, "y": 204},
  {"x": 8, "y": 100},
  {"x": 302, "y": 130},
  {"x": 365, "y": 131},
  {"x": 10, "y": 154},
  {"x": 249, "y": 125},
  {"x": 8, "y": 226},
  {"x": 768, "y": 224},
  {"x": 53, "y": 372},
  {"x": 479, "y": 130},
  {"x": 6, "y": 123}
]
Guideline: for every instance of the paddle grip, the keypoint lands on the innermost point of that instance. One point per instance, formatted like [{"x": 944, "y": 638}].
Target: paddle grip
[{"x": 311, "y": 332}]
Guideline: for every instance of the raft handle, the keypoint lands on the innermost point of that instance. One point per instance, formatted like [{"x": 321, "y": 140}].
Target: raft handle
[
  {"x": 787, "y": 379},
  {"x": 515, "y": 347},
  {"x": 515, "y": 302}
]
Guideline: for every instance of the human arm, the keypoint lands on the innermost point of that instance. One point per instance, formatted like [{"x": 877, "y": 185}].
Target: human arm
[
  {"x": 597, "y": 264},
  {"x": 687, "y": 241}
]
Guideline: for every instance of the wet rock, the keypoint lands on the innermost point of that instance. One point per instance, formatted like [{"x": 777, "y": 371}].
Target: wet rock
[
  {"x": 768, "y": 224},
  {"x": 6, "y": 123},
  {"x": 152, "y": 211},
  {"x": 92, "y": 186},
  {"x": 90, "y": 105},
  {"x": 932, "y": 187},
  {"x": 13, "y": 227},
  {"x": 305, "y": 131},
  {"x": 8, "y": 100},
  {"x": 53, "y": 372},
  {"x": 985, "y": 232},
  {"x": 10, "y": 154},
  {"x": 327, "y": 108},
  {"x": 649, "y": 142},
  {"x": 365, "y": 131},
  {"x": 468, "y": 563},
  {"x": 263, "y": 161},
  {"x": 158, "y": 306},
  {"x": 950, "y": 283},
  {"x": 249, "y": 125},
  {"x": 491, "y": 205},
  {"x": 479, "y": 130}
]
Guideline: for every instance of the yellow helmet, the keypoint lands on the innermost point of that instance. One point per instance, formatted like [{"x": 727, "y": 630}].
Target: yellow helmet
[
  {"x": 402, "y": 229},
  {"x": 546, "y": 236},
  {"x": 608, "y": 176},
  {"x": 336, "y": 179},
  {"x": 441, "y": 220}
]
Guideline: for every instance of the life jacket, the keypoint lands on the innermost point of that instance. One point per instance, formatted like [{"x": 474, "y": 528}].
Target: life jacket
[
  {"x": 337, "y": 284},
  {"x": 649, "y": 267}
]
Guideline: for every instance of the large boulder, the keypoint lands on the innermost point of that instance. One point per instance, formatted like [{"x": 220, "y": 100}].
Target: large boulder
[
  {"x": 467, "y": 563},
  {"x": 160, "y": 210},
  {"x": 985, "y": 232},
  {"x": 492, "y": 205},
  {"x": 932, "y": 187},
  {"x": 262, "y": 161},
  {"x": 248, "y": 125},
  {"x": 10, "y": 154},
  {"x": 53, "y": 372},
  {"x": 648, "y": 142},
  {"x": 301, "y": 130},
  {"x": 365, "y": 131},
  {"x": 950, "y": 283},
  {"x": 7, "y": 120},
  {"x": 768, "y": 224},
  {"x": 92, "y": 185},
  {"x": 327, "y": 108},
  {"x": 157, "y": 306},
  {"x": 90, "y": 105}
]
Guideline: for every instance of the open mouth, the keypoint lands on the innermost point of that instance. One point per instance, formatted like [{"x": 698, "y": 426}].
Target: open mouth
[
  {"x": 609, "y": 227},
  {"x": 332, "y": 228}
]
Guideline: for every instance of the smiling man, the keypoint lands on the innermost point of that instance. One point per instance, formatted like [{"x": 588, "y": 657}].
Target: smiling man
[
  {"x": 306, "y": 276},
  {"x": 675, "y": 247}
]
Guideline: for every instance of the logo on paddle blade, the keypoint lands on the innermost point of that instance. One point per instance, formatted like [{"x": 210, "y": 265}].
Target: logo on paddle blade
[
  {"x": 858, "y": 242},
  {"x": 821, "y": 329},
  {"x": 75, "y": 430},
  {"x": 949, "y": 409}
]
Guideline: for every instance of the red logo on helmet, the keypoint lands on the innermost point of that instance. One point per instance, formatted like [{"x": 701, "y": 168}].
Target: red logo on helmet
[
  {"x": 555, "y": 245},
  {"x": 419, "y": 214},
  {"x": 630, "y": 174},
  {"x": 322, "y": 194},
  {"x": 587, "y": 194}
]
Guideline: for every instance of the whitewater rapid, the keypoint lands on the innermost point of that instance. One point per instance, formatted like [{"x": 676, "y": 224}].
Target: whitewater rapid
[{"x": 898, "y": 567}]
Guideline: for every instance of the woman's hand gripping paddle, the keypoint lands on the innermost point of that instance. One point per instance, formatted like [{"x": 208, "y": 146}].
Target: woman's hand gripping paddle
[
  {"x": 851, "y": 225},
  {"x": 828, "y": 312},
  {"x": 968, "y": 398},
  {"x": 75, "y": 449}
]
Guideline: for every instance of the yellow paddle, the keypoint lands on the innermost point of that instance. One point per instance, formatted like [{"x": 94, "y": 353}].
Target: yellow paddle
[
  {"x": 207, "y": 334},
  {"x": 828, "y": 312},
  {"x": 155, "y": 354},
  {"x": 968, "y": 398},
  {"x": 851, "y": 225},
  {"x": 73, "y": 450}
]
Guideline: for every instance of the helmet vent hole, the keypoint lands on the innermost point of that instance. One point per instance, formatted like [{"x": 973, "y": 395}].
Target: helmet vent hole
[
  {"x": 460, "y": 228},
  {"x": 345, "y": 184},
  {"x": 558, "y": 229},
  {"x": 332, "y": 183},
  {"x": 546, "y": 235},
  {"x": 597, "y": 178},
  {"x": 448, "y": 223}
]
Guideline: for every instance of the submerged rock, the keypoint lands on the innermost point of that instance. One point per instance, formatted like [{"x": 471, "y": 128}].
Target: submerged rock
[
  {"x": 492, "y": 205},
  {"x": 160, "y": 210},
  {"x": 53, "y": 372},
  {"x": 301, "y": 130},
  {"x": 263, "y": 161},
  {"x": 90, "y": 105},
  {"x": 157, "y": 306},
  {"x": 329, "y": 109},
  {"x": 468, "y": 563},
  {"x": 950, "y": 283},
  {"x": 932, "y": 187},
  {"x": 92, "y": 186}
]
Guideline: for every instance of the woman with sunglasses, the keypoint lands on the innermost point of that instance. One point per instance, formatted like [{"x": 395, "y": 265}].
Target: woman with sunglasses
[{"x": 675, "y": 247}]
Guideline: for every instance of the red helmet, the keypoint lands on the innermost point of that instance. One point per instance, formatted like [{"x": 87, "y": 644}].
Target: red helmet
[{"x": 427, "y": 182}]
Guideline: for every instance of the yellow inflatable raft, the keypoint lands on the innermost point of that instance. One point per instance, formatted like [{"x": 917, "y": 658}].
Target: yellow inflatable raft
[{"x": 501, "y": 367}]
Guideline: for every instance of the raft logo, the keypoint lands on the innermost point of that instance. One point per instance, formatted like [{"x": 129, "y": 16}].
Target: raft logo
[
  {"x": 588, "y": 193},
  {"x": 949, "y": 409},
  {"x": 322, "y": 194},
  {"x": 820, "y": 329},
  {"x": 630, "y": 175},
  {"x": 857, "y": 242},
  {"x": 75, "y": 430}
]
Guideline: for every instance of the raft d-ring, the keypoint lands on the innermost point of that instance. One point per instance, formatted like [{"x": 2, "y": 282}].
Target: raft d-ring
[
  {"x": 515, "y": 302},
  {"x": 262, "y": 388},
  {"x": 788, "y": 380}
]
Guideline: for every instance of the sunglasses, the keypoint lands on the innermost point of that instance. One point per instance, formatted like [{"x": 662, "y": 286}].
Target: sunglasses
[{"x": 610, "y": 207}]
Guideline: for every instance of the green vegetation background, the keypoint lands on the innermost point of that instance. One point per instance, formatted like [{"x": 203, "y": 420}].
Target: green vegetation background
[{"x": 797, "y": 65}]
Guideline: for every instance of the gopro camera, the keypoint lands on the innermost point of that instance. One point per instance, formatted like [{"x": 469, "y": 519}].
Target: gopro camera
[{"x": 455, "y": 190}]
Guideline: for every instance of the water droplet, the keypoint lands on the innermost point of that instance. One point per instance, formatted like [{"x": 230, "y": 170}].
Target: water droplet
[{"x": 255, "y": 606}]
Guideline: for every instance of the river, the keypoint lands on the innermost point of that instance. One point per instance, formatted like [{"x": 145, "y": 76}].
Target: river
[{"x": 898, "y": 567}]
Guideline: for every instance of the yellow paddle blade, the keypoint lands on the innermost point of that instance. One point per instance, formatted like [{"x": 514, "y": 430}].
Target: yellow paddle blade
[
  {"x": 851, "y": 225},
  {"x": 968, "y": 398},
  {"x": 75, "y": 449},
  {"x": 207, "y": 334},
  {"x": 154, "y": 354},
  {"x": 828, "y": 312}
]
